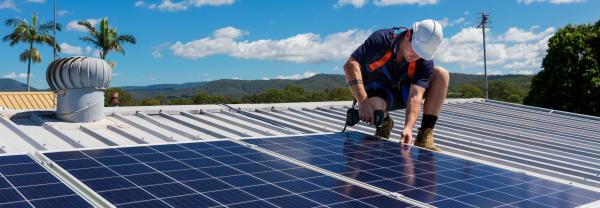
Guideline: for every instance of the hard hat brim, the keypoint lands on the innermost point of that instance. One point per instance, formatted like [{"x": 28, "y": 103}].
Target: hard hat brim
[{"x": 416, "y": 46}]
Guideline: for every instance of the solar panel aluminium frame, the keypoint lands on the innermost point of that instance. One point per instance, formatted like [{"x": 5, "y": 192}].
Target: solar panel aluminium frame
[
  {"x": 89, "y": 194},
  {"x": 479, "y": 156},
  {"x": 64, "y": 180},
  {"x": 79, "y": 187},
  {"x": 584, "y": 205}
]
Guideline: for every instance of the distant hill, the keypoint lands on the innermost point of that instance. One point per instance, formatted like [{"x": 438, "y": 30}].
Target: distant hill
[
  {"x": 11, "y": 85},
  {"x": 239, "y": 88},
  {"x": 233, "y": 87},
  {"x": 456, "y": 79}
]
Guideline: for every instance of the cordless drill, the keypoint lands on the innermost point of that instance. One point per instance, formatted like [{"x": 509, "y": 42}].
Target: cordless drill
[{"x": 352, "y": 117}]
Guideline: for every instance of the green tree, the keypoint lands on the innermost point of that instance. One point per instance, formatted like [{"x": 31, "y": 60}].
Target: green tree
[
  {"x": 504, "y": 91},
  {"x": 181, "y": 101},
  {"x": 106, "y": 38},
  {"x": 470, "y": 91},
  {"x": 150, "y": 102},
  {"x": 35, "y": 32},
  {"x": 125, "y": 98},
  {"x": 570, "y": 79},
  {"x": 204, "y": 98}
]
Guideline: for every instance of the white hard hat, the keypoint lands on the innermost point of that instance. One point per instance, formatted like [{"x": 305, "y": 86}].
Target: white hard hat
[{"x": 427, "y": 36}]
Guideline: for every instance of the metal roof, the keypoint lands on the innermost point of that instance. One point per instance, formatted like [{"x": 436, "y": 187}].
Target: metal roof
[
  {"x": 557, "y": 145},
  {"x": 27, "y": 100}
]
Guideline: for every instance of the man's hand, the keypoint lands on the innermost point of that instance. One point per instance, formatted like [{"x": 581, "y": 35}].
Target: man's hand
[
  {"x": 406, "y": 136},
  {"x": 365, "y": 111}
]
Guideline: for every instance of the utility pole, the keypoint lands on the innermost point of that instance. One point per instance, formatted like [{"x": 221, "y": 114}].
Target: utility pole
[
  {"x": 483, "y": 21},
  {"x": 54, "y": 34}
]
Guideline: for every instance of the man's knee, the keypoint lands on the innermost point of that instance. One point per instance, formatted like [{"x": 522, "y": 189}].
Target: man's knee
[
  {"x": 378, "y": 103},
  {"x": 441, "y": 72}
]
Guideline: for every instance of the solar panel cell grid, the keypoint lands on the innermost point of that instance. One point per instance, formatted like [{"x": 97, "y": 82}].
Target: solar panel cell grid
[
  {"x": 24, "y": 183},
  {"x": 206, "y": 174},
  {"x": 424, "y": 175}
]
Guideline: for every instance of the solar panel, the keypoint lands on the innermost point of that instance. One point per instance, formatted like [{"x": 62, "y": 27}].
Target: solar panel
[
  {"x": 25, "y": 183},
  {"x": 209, "y": 174},
  {"x": 430, "y": 177}
]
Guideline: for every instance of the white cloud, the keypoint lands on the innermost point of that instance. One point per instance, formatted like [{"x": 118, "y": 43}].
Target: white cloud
[
  {"x": 157, "y": 50},
  {"x": 355, "y": 3},
  {"x": 139, "y": 4},
  {"x": 516, "y": 49},
  {"x": 72, "y": 25},
  {"x": 199, "y": 3},
  {"x": 383, "y": 3},
  {"x": 491, "y": 72},
  {"x": 37, "y": 1},
  {"x": 445, "y": 22},
  {"x": 75, "y": 50},
  {"x": 157, "y": 54},
  {"x": 514, "y": 34},
  {"x": 304, "y": 75},
  {"x": 62, "y": 12},
  {"x": 69, "y": 49},
  {"x": 170, "y": 6},
  {"x": 550, "y": 1},
  {"x": 229, "y": 32},
  {"x": 301, "y": 48},
  {"x": 13, "y": 75},
  {"x": 403, "y": 2},
  {"x": 523, "y": 72},
  {"x": 8, "y": 4}
]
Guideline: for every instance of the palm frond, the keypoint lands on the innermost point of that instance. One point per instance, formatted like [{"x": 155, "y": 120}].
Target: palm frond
[
  {"x": 126, "y": 38},
  {"x": 106, "y": 38},
  {"x": 48, "y": 27},
  {"x": 34, "y": 54},
  {"x": 91, "y": 40},
  {"x": 88, "y": 26},
  {"x": 13, "y": 22}
]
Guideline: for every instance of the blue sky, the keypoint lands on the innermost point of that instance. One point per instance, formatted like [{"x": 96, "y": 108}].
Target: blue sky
[{"x": 182, "y": 41}]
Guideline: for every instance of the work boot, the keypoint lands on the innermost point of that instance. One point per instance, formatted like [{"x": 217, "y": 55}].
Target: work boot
[
  {"x": 386, "y": 128},
  {"x": 425, "y": 139}
]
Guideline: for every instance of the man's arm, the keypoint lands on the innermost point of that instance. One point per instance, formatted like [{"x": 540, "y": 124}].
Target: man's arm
[
  {"x": 355, "y": 83},
  {"x": 412, "y": 112},
  {"x": 354, "y": 80}
]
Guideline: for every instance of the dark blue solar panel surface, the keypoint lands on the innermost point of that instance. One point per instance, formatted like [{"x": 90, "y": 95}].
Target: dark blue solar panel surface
[
  {"x": 209, "y": 174},
  {"x": 426, "y": 176},
  {"x": 25, "y": 183}
]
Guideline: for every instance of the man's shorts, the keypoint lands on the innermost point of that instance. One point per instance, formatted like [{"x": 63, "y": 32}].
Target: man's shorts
[{"x": 392, "y": 96}]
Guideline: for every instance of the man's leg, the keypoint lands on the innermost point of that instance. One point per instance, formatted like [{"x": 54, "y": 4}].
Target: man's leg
[
  {"x": 385, "y": 129},
  {"x": 434, "y": 99},
  {"x": 436, "y": 93}
]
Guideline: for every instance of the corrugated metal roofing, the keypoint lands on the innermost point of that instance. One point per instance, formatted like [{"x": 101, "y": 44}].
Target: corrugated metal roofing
[
  {"x": 27, "y": 100},
  {"x": 552, "y": 144}
]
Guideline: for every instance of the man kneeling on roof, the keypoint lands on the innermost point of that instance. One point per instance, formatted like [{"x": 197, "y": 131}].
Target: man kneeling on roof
[{"x": 393, "y": 69}]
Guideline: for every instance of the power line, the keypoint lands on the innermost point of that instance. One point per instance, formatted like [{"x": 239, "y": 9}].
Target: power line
[{"x": 483, "y": 21}]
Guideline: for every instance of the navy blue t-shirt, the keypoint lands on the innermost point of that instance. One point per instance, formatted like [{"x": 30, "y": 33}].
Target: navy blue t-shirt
[{"x": 378, "y": 44}]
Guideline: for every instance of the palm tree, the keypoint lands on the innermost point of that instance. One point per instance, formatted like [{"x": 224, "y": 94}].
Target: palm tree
[
  {"x": 106, "y": 38},
  {"x": 34, "y": 32}
]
